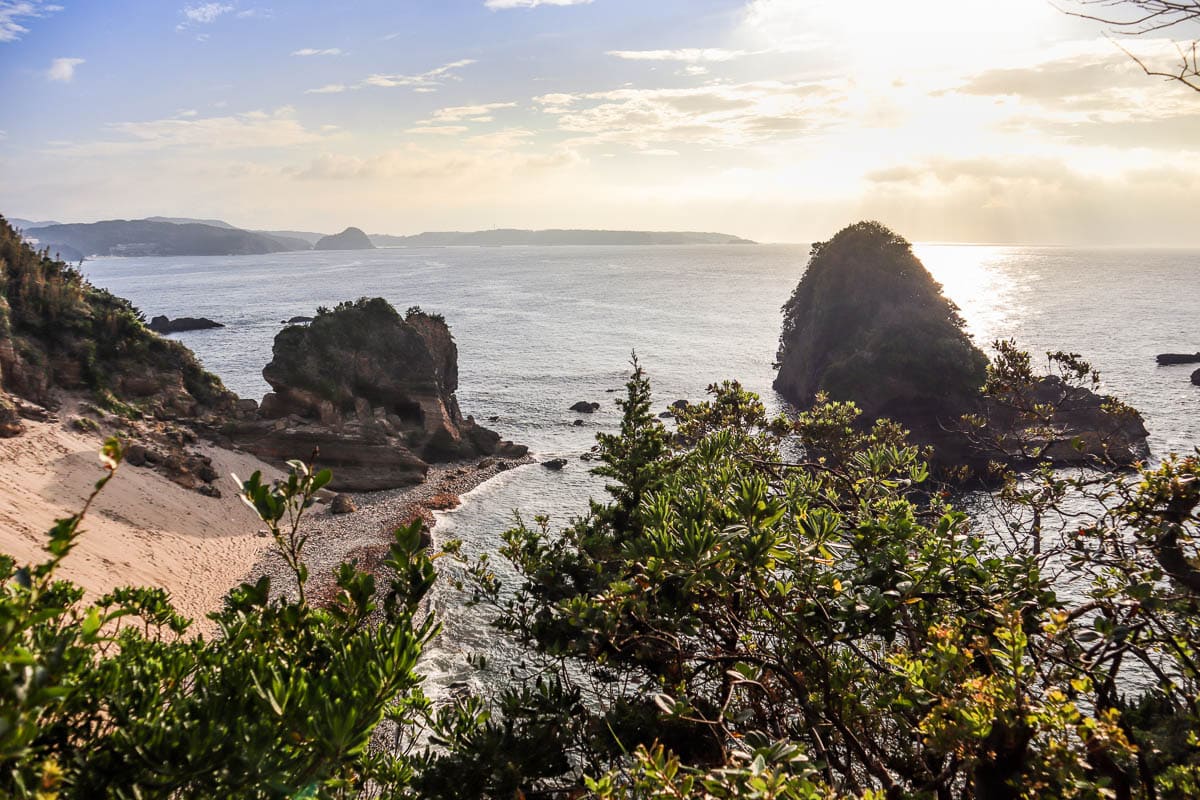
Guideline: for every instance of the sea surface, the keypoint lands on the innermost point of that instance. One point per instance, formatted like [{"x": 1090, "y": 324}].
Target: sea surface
[{"x": 539, "y": 328}]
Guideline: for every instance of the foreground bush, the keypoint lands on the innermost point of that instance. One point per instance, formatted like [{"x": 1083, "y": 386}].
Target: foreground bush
[
  {"x": 766, "y": 608},
  {"x": 741, "y": 622},
  {"x": 112, "y": 699}
]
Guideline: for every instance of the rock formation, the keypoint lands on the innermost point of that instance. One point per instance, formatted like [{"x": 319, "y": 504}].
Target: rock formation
[
  {"x": 163, "y": 324},
  {"x": 373, "y": 392},
  {"x": 868, "y": 323},
  {"x": 1196, "y": 377},
  {"x": 349, "y": 239}
]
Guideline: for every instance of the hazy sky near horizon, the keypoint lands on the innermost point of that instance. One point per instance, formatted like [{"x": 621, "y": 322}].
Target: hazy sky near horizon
[{"x": 779, "y": 120}]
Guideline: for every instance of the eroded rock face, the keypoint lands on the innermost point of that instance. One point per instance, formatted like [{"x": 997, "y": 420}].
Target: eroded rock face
[{"x": 373, "y": 393}]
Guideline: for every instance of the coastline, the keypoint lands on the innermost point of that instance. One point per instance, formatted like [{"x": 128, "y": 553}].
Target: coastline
[{"x": 363, "y": 536}]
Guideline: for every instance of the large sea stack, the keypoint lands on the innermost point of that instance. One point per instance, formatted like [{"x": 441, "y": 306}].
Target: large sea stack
[
  {"x": 868, "y": 323},
  {"x": 373, "y": 391}
]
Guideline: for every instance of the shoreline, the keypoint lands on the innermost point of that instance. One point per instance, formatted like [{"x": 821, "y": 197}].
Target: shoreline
[{"x": 363, "y": 536}]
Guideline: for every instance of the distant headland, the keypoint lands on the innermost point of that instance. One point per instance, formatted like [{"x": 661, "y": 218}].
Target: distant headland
[{"x": 183, "y": 236}]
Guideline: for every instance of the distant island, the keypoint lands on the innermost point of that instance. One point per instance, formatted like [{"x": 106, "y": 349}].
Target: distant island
[
  {"x": 154, "y": 238},
  {"x": 349, "y": 239},
  {"x": 188, "y": 236},
  {"x": 503, "y": 237}
]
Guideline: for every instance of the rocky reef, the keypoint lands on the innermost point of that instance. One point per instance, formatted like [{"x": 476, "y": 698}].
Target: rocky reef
[
  {"x": 164, "y": 324},
  {"x": 373, "y": 392},
  {"x": 868, "y": 323}
]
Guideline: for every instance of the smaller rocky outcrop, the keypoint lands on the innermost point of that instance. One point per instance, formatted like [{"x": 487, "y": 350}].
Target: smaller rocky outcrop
[
  {"x": 584, "y": 407},
  {"x": 349, "y": 239},
  {"x": 555, "y": 464},
  {"x": 297, "y": 321},
  {"x": 1196, "y": 377},
  {"x": 372, "y": 393},
  {"x": 1165, "y": 359},
  {"x": 162, "y": 324}
]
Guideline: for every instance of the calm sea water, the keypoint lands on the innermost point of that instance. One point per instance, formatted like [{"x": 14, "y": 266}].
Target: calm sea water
[{"x": 540, "y": 328}]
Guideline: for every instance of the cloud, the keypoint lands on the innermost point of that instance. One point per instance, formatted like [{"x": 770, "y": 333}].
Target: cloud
[
  {"x": 690, "y": 55},
  {"x": 250, "y": 130},
  {"x": 722, "y": 115},
  {"x": 204, "y": 13},
  {"x": 13, "y": 10},
  {"x": 1020, "y": 198},
  {"x": 310, "y": 51},
  {"x": 500, "y": 4},
  {"x": 480, "y": 160},
  {"x": 440, "y": 130},
  {"x": 63, "y": 69},
  {"x": 480, "y": 113},
  {"x": 426, "y": 81}
]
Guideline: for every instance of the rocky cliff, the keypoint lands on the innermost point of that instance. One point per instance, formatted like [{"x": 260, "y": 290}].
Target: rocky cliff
[
  {"x": 58, "y": 332},
  {"x": 374, "y": 391},
  {"x": 868, "y": 323}
]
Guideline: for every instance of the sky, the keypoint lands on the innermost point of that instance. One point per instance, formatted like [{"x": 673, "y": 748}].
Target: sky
[{"x": 999, "y": 121}]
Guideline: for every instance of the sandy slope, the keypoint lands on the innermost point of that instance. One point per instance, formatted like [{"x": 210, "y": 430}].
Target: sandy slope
[{"x": 143, "y": 530}]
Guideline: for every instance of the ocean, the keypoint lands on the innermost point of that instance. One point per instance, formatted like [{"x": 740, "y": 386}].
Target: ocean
[{"x": 539, "y": 328}]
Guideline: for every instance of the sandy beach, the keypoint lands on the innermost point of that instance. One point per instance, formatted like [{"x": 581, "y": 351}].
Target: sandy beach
[
  {"x": 146, "y": 530},
  {"x": 143, "y": 530}
]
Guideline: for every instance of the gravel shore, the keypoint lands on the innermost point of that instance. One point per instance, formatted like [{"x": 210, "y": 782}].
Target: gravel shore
[{"x": 363, "y": 536}]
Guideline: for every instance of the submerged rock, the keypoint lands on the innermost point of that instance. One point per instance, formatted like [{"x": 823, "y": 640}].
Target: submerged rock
[
  {"x": 162, "y": 324},
  {"x": 584, "y": 407},
  {"x": 1177, "y": 358},
  {"x": 1196, "y": 377},
  {"x": 555, "y": 464}
]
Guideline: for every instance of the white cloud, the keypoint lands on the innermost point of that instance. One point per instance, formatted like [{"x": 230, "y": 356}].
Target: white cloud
[
  {"x": 426, "y": 81},
  {"x": 250, "y": 130},
  {"x": 204, "y": 13},
  {"x": 690, "y": 55},
  {"x": 496, "y": 4},
  {"x": 718, "y": 115},
  {"x": 440, "y": 130},
  {"x": 480, "y": 113},
  {"x": 310, "y": 51},
  {"x": 63, "y": 69},
  {"x": 13, "y": 10}
]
